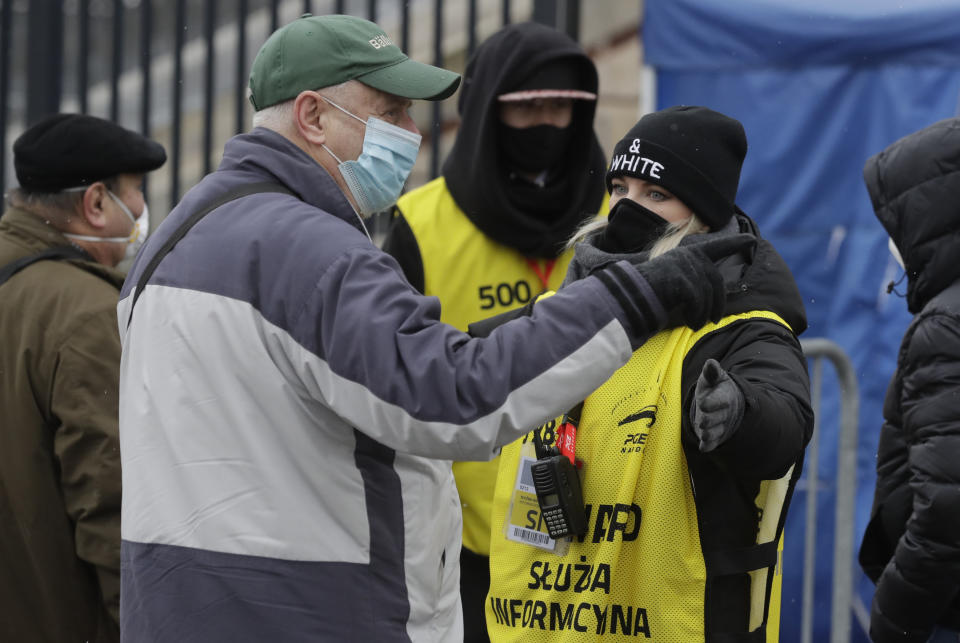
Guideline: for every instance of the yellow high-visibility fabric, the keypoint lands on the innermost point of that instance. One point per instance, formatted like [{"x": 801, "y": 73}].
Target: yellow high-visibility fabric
[
  {"x": 639, "y": 571},
  {"x": 475, "y": 278}
]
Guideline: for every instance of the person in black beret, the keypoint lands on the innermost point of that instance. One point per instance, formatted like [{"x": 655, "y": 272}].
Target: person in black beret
[
  {"x": 67, "y": 226},
  {"x": 82, "y": 175}
]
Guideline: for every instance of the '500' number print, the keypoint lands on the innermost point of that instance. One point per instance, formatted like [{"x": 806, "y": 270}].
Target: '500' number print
[{"x": 504, "y": 294}]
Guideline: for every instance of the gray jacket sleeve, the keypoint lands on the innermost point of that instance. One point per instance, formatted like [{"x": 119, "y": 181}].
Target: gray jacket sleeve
[{"x": 387, "y": 365}]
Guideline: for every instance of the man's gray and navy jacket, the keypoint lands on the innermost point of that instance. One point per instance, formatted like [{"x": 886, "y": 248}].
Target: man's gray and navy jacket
[{"x": 289, "y": 405}]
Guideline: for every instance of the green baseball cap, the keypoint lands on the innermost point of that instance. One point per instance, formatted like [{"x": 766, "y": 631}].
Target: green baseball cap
[{"x": 319, "y": 51}]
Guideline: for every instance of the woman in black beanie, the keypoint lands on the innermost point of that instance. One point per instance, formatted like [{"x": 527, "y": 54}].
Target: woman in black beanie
[{"x": 686, "y": 458}]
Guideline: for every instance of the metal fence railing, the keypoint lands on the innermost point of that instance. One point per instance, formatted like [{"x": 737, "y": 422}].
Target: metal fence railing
[
  {"x": 844, "y": 601},
  {"x": 176, "y": 70}
]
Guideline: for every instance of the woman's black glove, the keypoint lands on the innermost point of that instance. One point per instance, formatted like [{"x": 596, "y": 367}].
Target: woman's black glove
[{"x": 717, "y": 406}]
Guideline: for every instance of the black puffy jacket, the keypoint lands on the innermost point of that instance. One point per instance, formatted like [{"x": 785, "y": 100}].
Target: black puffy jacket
[{"x": 911, "y": 547}]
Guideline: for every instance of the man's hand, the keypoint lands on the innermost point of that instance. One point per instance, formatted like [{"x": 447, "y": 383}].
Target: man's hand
[
  {"x": 717, "y": 406},
  {"x": 687, "y": 281}
]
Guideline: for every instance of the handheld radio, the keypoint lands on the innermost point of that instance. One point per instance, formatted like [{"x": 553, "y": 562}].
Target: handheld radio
[{"x": 557, "y": 482}]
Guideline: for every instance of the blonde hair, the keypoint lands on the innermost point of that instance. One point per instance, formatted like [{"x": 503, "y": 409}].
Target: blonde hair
[
  {"x": 676, "y": 231},
  {"x": 669, "y": 240}
]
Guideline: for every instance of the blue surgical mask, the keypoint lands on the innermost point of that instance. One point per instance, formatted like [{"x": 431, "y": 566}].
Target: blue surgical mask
[{"x": 376, "y": 178}]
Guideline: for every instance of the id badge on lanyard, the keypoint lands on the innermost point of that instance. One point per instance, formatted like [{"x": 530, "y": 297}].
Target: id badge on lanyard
[{"x": 546, "y": 507}]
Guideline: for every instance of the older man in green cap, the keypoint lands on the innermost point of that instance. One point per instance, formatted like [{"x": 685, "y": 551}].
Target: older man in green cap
[{"x": 290, "y": 404}]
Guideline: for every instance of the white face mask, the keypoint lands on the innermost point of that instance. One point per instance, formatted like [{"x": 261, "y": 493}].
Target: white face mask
[
  {"x": 896, "y": 253},
  {"x": 138, "y": 227},
  {"x": 139, "y": 234}
]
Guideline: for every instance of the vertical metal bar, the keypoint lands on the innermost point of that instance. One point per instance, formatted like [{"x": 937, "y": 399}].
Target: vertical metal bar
[
  {"x": 405, "y": 26},
  {"x": 471, "y": 27},
  {"x": 506, "y": 12},
  {"x": 547, "y": 12},
  {"x": 44, "y": 57},
  {"x": 146, "y": 31},
  {"x": 844, "y": 603},
  {"x": 435, "y": 125},
  {"x": 306, "y": 6},
  {"x": 274, "y": 15},
  {"x": 210, "y": 9},
  {"x": 372, "y": 10},
  {"x": 810, "y": 537},
  {"x": 179, "y": 27},
  {"x": 6, "y": 19},
  {"x": 83, "y": 78},
  {"x": 844, "y": 547},
  {"x": 241, "y": 78},
  {"x": 115, "y": 67},
  {"x": 572, "y": 19},
  {"x": 339, "y": 6}
]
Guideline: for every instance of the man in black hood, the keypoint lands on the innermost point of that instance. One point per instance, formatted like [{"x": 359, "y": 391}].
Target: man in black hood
[{"x": 526, "y": 170}]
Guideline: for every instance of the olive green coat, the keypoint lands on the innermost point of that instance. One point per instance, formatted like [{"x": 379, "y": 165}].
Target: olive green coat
[{"x": 59, "y": 448}]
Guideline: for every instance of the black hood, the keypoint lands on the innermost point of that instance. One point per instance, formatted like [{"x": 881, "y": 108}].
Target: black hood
[
  {"x": 762, "y": 281},
  {"x": 480, "y": 183},
  {"x": 914, "y": 187}
]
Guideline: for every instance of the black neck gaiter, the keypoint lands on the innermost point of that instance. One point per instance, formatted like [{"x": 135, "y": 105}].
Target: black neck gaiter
[
  {"x": 533, "y": 149},
  {"x": 631, "y": 228}
]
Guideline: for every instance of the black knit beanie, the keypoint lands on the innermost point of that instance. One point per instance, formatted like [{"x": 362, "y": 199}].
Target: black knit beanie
[{"x": 694, "y": 152}]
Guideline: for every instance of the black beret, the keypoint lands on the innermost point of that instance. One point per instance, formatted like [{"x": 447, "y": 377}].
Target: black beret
[{"x": 73, "y": 150}]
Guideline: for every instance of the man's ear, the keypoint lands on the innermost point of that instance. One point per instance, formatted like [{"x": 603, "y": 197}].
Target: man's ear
[
  {"x": 310, "y": 113},
  {"x": 92, "y": 206}
]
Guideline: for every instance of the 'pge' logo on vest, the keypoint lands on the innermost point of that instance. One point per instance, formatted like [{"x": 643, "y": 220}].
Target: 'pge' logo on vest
[{"x": 634, "y": 442}]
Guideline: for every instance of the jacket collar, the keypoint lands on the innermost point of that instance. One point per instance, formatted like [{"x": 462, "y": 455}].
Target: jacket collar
[
  {"x": 31, "y": 229},
  {"x": 267, "y": 153},
  {"x": 36, "y": 236}
]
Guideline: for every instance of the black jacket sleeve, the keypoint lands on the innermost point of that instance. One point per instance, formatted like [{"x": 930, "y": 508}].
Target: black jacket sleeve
[
  {"x": 402, "y": 245},
  {"x": 765, "y": 360},
  {"x": 921, "y": 580},
  {"x": 892, "y": 498}
]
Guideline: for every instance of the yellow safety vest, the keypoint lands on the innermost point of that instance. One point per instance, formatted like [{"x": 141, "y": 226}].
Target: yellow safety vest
[
  {"x": 475, "y": 278},
  {"x": 639, "y": 572}
]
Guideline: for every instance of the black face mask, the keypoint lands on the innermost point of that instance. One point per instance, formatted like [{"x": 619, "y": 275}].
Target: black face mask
[
  {"x": 631, "y": 228},
  {"x": 533, "y": 149}
]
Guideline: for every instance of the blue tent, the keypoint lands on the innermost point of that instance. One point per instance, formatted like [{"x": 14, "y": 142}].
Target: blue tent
[{"x": 820, "y": 86}]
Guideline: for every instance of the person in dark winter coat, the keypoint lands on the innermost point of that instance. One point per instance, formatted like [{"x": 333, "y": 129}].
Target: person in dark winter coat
[
  {"x": 525, "y": 171},
  {"x": 687, "y": 456},
  {"x": 911, "y": 547},
  {"x": 68, "y": 225}
]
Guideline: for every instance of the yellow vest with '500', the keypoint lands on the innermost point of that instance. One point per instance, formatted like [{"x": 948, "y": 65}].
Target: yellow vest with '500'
[
  {"x": 639, "y": 571},
  {"x": 475, "y": 278}
]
